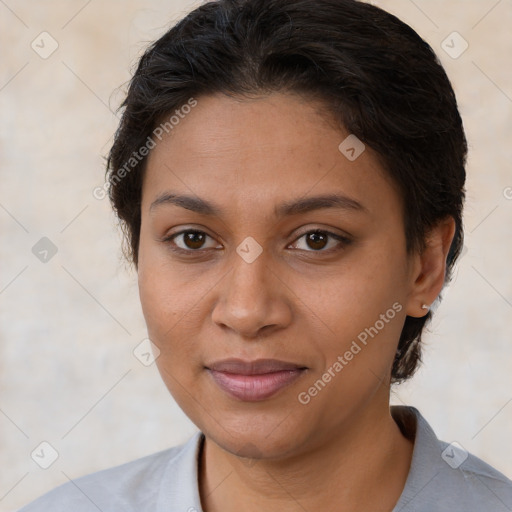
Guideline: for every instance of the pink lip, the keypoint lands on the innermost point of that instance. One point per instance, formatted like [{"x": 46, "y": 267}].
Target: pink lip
[{"x": 253, "y": 381}]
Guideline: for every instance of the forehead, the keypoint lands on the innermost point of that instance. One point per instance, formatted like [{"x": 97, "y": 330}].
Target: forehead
[{"x": 261, "y": 151}]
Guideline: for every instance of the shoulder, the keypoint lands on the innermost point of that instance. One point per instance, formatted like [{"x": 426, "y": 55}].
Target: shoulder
[
  {"x": 132, "y": 486},
  {"x": 445, "y": 476},
  {"x": 472, "y": 481}
]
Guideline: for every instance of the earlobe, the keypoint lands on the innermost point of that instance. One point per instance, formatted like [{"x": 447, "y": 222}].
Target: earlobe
[{"x": 430, "y": 269}]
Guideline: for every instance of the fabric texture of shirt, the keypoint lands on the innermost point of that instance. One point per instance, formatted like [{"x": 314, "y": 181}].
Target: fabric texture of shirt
[{"x": 442, "y": 477}]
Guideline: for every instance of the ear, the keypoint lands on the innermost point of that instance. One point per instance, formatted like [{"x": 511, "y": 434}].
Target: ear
[{"x": 428, "y": 268}]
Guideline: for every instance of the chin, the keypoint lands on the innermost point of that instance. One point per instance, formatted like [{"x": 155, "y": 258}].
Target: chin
[{"x": 259, "y": 437}]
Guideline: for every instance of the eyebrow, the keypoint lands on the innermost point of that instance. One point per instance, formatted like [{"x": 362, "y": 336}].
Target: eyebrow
[{"x": 294, "y": 207}]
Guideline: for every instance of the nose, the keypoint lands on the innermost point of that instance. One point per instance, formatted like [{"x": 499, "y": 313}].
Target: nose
[{"x": 253, "y": 300}]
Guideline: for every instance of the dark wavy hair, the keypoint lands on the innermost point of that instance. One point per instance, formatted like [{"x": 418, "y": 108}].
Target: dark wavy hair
[{"x": 374, "y": 74}]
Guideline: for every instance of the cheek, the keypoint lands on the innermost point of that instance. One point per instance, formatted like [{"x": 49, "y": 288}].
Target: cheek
[
  {"x": 169, "y": 312},
  {"x": 163, "y": 291},
  {"x": 355, "y": 296},
  {"x": 159, "y": 304},
  {"x": 167, "y": 300},
  {"x": 363, "y": 308}
]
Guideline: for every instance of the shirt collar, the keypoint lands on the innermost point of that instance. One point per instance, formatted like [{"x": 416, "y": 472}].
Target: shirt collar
[
  {"x": 426, "y": 461},
  {"x": 180, "y": 481},
  {"x": 179, "y": 489}
]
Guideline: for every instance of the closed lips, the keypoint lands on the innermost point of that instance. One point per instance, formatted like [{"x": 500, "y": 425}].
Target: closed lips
[
  {"x": 255, "y": 380},
  {"x": 256, "y": 367}
]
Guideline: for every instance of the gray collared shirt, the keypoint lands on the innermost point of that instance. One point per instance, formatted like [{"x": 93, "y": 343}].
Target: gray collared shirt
[{"x": 442, "y": 477}]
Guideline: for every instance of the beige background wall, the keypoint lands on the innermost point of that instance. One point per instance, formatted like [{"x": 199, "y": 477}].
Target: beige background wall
[{"x": 68, "y": 327}]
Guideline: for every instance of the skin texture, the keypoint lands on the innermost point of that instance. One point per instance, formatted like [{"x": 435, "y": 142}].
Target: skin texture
[{"x": 300, "y": 301}]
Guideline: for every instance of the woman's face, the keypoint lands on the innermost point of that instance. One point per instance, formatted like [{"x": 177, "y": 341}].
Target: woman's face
[{"x": 251, "y": 284}]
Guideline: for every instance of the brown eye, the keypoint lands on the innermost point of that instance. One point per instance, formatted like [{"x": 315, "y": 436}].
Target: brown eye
[
  {"x": 318, "y": 240},
  {"x": 194, "y": 239},
  {"x": 189, "y": 241}
]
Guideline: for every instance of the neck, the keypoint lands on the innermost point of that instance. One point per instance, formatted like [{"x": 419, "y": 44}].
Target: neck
[{"x": 364, "y": 466}]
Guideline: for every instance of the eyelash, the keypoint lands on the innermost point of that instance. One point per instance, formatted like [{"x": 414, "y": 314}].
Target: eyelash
[{"x": 344, "y": 241}]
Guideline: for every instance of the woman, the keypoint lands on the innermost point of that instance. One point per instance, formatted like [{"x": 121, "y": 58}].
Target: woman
[{"x": 290, "y": 178}]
